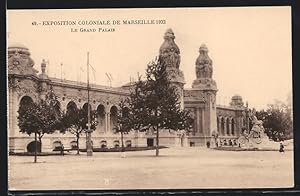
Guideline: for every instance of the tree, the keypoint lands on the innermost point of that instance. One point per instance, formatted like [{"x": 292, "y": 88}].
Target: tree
[
  {"x": 40, "y": 118},
  {"x": 124, "y": 120},
  {"x": 75, "y": 122},
  {"x": 155, "y": 103},
  {"x": 277, "y": 121}
]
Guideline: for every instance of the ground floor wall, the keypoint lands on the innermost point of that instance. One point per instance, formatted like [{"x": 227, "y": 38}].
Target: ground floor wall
[{"x": 51, "y": 142}]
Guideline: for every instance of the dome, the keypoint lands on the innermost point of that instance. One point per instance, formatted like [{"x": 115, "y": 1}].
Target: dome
[
  {"x": 237, "y": 100},
  {"x": 14, "y": 47},
  {"x": 237, "y": 97},
  {"x": 17, "y": 45}
]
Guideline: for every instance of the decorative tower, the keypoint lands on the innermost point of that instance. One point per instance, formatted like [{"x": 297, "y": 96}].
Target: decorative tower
[
  {"x": 22, "y": 87},
  {"x": 19, "y": 60},
  {"x": 207, "y": 88},
  {"x": 169, "y": 54}
]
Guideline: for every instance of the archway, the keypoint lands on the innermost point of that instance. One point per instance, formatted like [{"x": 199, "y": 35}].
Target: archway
[
  {"x": 71, "y": 106},
  {"x": 34, "y": 145},
  {"x": 232, "y": 126},
  {"x": 73, "y": 145},
  {"x": 101, "y": 118},
  {"x": 84, "y": 107},
  {"x": 128, "y": 143},
  {"x": 26, "y": 100},
  {"x": 116, "y": 144},
  {"x": 227, "y": 126},
  {"x": 24, "y": 106},
  {"x": 103, "y": 144},
  {"x": 57, "y": 145},
  {"x": 113, "y": 117},
  {"x": 222, "y": 126}
]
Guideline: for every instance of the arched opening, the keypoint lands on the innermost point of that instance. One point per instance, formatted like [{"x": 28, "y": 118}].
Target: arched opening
[
  {"x": 71, "y": 107},
  {"x": 34, "y": 145},
  {"x": 101, "y": 118},
  {"x": 113, "y": 117},
  {"x": 227, "y": 126},
  {"x": 25, "y": 101},
  {"x": 85, "y": 112},
  {"x": 128, "y": 143},
  {"x": 103, "y": 144},
  {"x": 85, "y": 108},
  {"x": 222, "y": 126},
  {"x": 116, "y": 144},
  {"x": 72, "y": 112},
  {"x": 232, "y": 126},
  {"x": 57, "y": 145},
  {"x": 73, "y": 145}
]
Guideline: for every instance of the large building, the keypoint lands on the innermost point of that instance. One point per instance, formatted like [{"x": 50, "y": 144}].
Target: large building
[{"x": 25, "y": 84}]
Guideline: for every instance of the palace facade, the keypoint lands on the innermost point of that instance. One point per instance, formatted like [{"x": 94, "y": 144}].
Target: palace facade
[{"x": 25, "y": 84}]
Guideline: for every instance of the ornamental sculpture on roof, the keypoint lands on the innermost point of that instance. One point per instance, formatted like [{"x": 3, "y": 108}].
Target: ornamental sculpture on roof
[
  {"x": 204, "y": 71},
  {"x": 169, "y": 52},
  {"x": 204, "y": 67},
  {"x": 19, "y": 60}
]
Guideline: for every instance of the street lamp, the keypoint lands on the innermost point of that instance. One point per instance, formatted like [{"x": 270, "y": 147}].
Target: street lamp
[{"x": 89, "y": 149}]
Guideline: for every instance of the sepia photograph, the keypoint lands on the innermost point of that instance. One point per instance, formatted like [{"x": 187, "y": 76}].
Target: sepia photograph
[{"x": 150, "y": 98}]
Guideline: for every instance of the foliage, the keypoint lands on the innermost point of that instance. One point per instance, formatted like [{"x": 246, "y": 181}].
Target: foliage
[
  {"x": 154, "y": 103},
  {"x": 75, "y": 122},
  {"x": 42, "y": 118},
  {"x": 124, "y": 120},
  {"x": 277, "y": 121}
]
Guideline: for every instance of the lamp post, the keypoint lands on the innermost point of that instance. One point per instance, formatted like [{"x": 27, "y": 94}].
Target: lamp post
[{"x": 89, "y": 149}]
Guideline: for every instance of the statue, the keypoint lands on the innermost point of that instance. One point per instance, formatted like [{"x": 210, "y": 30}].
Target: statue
[
  {"x": 255, "y": 135},
  {"x": 169, "y": 52},
  {"x": 204, "y": 67}
]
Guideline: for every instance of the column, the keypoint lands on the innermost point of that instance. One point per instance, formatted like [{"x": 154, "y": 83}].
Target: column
[
  {"x": 199, "y": 126},
  {"x": 105, "y": 121},
  {"x": 108, "y": 122},
  {"x": 202, "y": 121}
]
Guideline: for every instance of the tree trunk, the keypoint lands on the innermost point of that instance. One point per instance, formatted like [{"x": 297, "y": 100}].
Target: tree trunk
[
  {"x": 35, "y": 151},
  {"x": 40, "y": 140},
  {"x": 157, "y": 142},
  {"x": 77, "y": 143},
  {"x": 122, "y": 140}
]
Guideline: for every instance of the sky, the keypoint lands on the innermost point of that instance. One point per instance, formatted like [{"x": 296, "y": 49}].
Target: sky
[{"x": 250, "y": 46}]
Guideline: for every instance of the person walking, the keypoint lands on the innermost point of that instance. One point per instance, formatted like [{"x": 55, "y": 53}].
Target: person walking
[
  {"x": 62, "y": 150},
  {"x": 281, "y": 148}
]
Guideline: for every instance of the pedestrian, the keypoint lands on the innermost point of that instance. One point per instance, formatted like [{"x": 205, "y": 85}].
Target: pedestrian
[
  {"x": 62, "y": 150},
  {"x": 281, "y": 148},
  {"x": 207, "y": 144}
]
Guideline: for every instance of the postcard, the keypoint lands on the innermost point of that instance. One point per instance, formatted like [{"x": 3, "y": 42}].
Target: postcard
[{"x": 150, "y": 98}]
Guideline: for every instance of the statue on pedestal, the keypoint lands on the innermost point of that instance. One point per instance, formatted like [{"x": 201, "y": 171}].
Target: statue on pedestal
[{"x": 255, "y": 135}]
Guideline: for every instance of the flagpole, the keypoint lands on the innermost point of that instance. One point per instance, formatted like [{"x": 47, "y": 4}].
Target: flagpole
[{"x": 89, "y": 149}]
